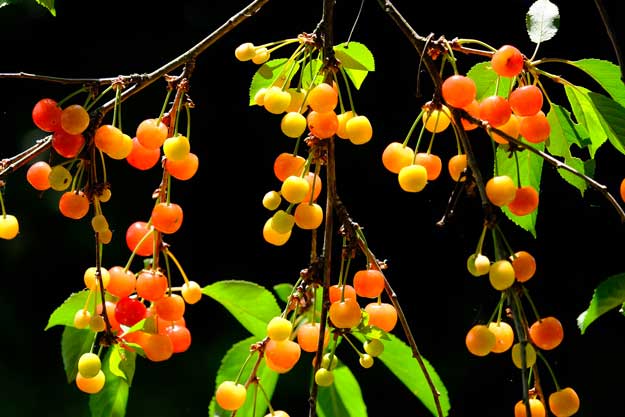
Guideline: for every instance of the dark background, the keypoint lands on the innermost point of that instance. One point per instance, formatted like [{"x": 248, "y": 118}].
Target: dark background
[{"x": 578, "y": 243}]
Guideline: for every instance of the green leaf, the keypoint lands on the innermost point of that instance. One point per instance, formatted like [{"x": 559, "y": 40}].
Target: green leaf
[
  {"x": 587, "y": 116},
  {"x": 310, "y": 73},
  {"x": 74, "y": 342},
  {"x": 229, "y": 370},
  {"x": 612, "y": 117},
  {"x": 64, "y": 314},
  {"x": 48, "y": 4},
  {"x": 529, "y": 173},
  {"x": 251, "y": 304},
  {"x": 268, "y": 73},
  {"x": 542, "y": 21},
  {"x": 111, "y": 401},
  {"x": 122, "y": 363},
  {"x": 488, "y": 82},
  {"x": 606, "y": 74},
  {"x": 342, "y": 398},
  {"x": 607, "y": 296},
  {"x": 356, "y": 59},
  {"x": 283, "y": 291},
  {"x": 397, "y": 357},
  {"x": 565, "y": 133}
]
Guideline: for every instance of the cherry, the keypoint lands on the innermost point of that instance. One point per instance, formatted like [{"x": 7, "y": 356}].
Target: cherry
[
  {"x": 272, "y": 236},
  {"x": 141, "y": 157},
  {"x": 140, "y": 231},
  {"x": 504, "y": 336},
  {"x": 564, "y": 402},
  {"x": 456, "y": 166},
  {"x": 308, "y": 216},
  {"x": 345, "y": 314},
  {"x": 524, "y": 265},
  {"x": 167, "y": 217},
  {"x": 276, "y": 100},
  {"x": 151, "y": 133},
  {"x": 157, "y": 347},
  {"x": 500, "y": 190},
  {"x": 458, "y": 90},
  {"x": 74, "y": 204},
  {"x": 180, "y": 337},
  {"x": 91, "y": 385},
  {"x": 525, "y": 201},
  {"x": 108, "y": 138},
  {"x": 184, "y": 169},
  {"x": 151, "y": 284},
  {"x": 282, "y": 355},
  {"x": 38, "y": 175},
  {"x": 507, "y": 61},
  {"x": 176, "y": 148},
  {"x": 129, "y": 311},
  {"x": 413, "y": 178},
  {"x": 431, "y": 162},
  {"x": 279, "y": 328},
  {"x": 546, "y": 333},
  {"x": 336, "y": 290},
  {"x": 171, "y": 307},
  {"x": 369, "y": 283},
  {"x": 89, "y": 365},
  {"x": 535, "y": 128},
  {"x": 358, "y": 130},
  {"x": 287, "y": 164},
  {"x": 479, "y": 340},
  {"x": 67, "y": 145},
  {"x": 537, "y": 408},
  {"x": 245, "y": 52},
  {"x": 230, "y": 395},
  {"x": 526, "y": 100},
  {"x": 294, "y": 189},
  {"x": 530, "y": 355},
  {"x": 396, "y": 155},
  {"x": 46, "y": 115},
  {"x": 74, "y": 119},
  {"x": 308, "y": 336},
  {"x": 322, "y": 98},
  {"x": 501, "y": 274},
  {"x": 495, "y": 110},
  {"x": 191, "y": 292},
  {"x": 322, "y": 124},
  {"x": 60, "y": 178},
  {"x": 382, "y": 315},
  {"x": 293, "y": 124},
  {"x": 436, "y": 119}
]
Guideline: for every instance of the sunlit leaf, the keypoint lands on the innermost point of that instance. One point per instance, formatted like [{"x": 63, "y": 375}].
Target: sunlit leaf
[
  {"x": 607, "y": 296},
  {"x": 612, "y": 117},
  {"x": 229, "y": 370},
  {"x": 606, "y": 74},
  {"x": 251, "y": 304},
  {"x": 311, "y": 74},
  {"x": 342, "y": 398},
  {"x": 283, "y": 291},
  {"x": 488, "y": 82},
  {"x": 64, "y": 314},
  {"x": 587, "y": 116},
  {"x": 272, "y": 72},
  {"x": 48, "y": 4},
  {"x": 542, "y": 21},
  {"x": 74, "y": 342},
  {"x": 356, "y": 59},
  {"x": 111, "y": 401},
  {"x": 122, "y": 363},
  {"x": 397, "y": 357}
]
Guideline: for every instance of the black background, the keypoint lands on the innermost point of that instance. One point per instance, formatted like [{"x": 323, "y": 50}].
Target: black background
[{"x": 577, "y": 246}]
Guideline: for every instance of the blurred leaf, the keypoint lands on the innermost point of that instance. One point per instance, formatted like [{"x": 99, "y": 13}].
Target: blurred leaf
[
  {"x": 74, "y": 342},
  {"x": 530, "y": 172},
  {"x": 397, "y": 356},
  {"x": 542, "y": 21},
  {"x": 356, "y": 59},
  {"x": 111, "y": 401},
  {"x": 342, "y": 398},
  {"x": 64, "y": 314},
  {"x": 251, "y": 304},
  {"x": 606, "y": 74},
  {"x": 607, "y": 296},
  {"x": 228, "y": 371},
  {"x": 612, "y": 117},
  {"x": 488, "y": 82},
  {"x": 48, "y": 4}
]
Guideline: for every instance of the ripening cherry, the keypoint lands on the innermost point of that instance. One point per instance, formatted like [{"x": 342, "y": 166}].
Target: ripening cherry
[
  {"x": 507, "y": 61},
  {"x": 279, "y": 328},
  {"x": 526, "y": 100},
  {"x": 245, "y": 52},
  {"x": 170, "y": 307},
  {"x": 9, "y": 226},
  {"x": 322, "y": 125},
  {"x": 495, "y": 110},
  {"x": 130, "y": 311},
  {"x": 479, "y": 340},
  {"x": 272, "y": 200},
  {"x": 121, "y": 281},
  {"x": 276, "y": 100},
  {"x": 277, "y": 413},
  {"x": 382, "y": 315},
  {"x": 308, "y": 216},
  {"x": 89, "y": 364},
  {"x": 358, "y": 130},
  {"x": 140, "y": 238},
  {"x": 176, "y": 148},
  {"x": 622, "y": 189},
  {"x": 478, "y": 264},
  {"x": 108, "y": 138},
  {"x": 501, "y": 274},
  {"x": 91, "y": 385},
  {"x": 500, "y": 190},
  {"x": 373, "y": 347},
  {"x": 184, "y": 169},
  {"x": 525, "y": 201},
  {"x": 343, "y": 118},
  {"x": 345, "y": 314},
  {"x": 157, "y": 347},
  {"x": 151, "y": 285},
  {"x": 180, "y": 337},
  {"x": 82, "y": 318},
  {"x": 323, "y": 98},
  {"x": 413, "y": 178},
  {"x": 273, "y": 237},
  {"x": 369, "y": 283},
  {"x": 60, "y": 178},
  {"x": 336, "y": 290},
  {"x": 123, "y": 149},
  {"x": 67, "y": 145},
  {"x": 191, "y": 292},
  {"x": 287, "y": 164},
  {"x": 282, "y": 221},
  {"x": 396, "y": 155},
  {"x": 315, "y": 186},
  {"x": 324, "y": 377},
  {"x": 510, "y": 128},
  {"x": 308, "y": 336},
  {"x": 282, "y": 354},
  {"x": 564, "y": 402},
  {"x": 141, "y": 157},
  {"x": 74, "y": 119},
  {"x": 294, "y": 189},
  {"x": 74, "y": 204},
  {"x": 530, "y": 355},
  {"x": 230, "y": 395},
  {"x": 456, "y": 166},
  {"x": 436, "y": 119},
  {"x": 46, "y": 115},
  {"x": 546, "y": 333},
  {"x": 297, "y": 100},
  {"x": 458, "y": 90},
  {"x": 91, "y": 280},
  {"x": 293, "y": 124},
  {"x": 473, "y": 109},
  {"x": 167, "y": 217},
  {"x": 99, "y": 223},
  {"x": 151, "y": 133},
  {"x": 535, "y": 128},
  {"x": 431, "y": 162},
  {"x": 537, "y": 408},
  {"x": 504, "y": 336},
  {"x": 110, "y": 313},
  {"x": 524, "y": 265},
  {"x": 38, "y": 175},
  {"x": 262, "y": 55}
]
